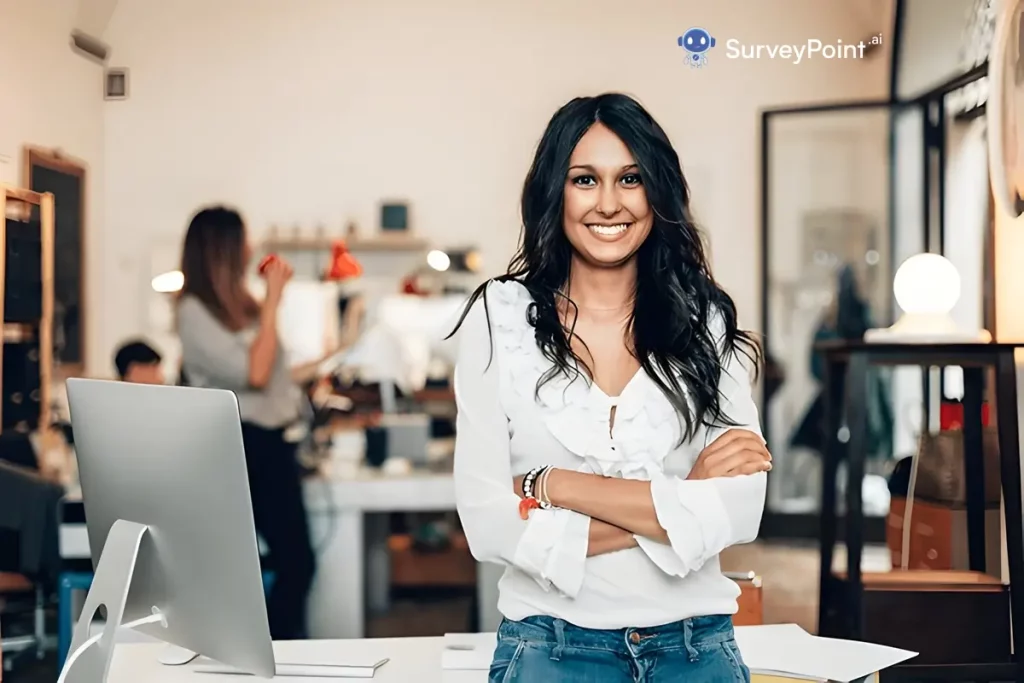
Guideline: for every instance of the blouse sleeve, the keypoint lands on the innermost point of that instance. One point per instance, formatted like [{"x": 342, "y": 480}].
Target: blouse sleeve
[
  {"x": 550, "y": 547},
  {"x": 210, "y": 349},
  {"x": 704, "y": 517}
]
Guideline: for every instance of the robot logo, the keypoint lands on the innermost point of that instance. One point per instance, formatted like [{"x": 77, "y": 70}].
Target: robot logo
[{"x": 696, "y": 42}]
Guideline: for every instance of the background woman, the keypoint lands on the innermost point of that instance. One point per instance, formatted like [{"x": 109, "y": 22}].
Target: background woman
[
  {"x": 229, "y": 341},
  {"x": 608, "y": 448}
]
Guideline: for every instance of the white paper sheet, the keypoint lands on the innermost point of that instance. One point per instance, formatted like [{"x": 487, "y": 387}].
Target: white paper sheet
[{"x": 788, "y": 649}]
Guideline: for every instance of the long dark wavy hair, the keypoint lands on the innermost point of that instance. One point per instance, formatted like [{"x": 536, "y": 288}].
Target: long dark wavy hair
[{"x": 676, "y": 295}]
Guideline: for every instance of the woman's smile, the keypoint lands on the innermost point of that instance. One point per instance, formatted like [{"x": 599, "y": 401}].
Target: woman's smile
[{"x": 609, "y": 232}]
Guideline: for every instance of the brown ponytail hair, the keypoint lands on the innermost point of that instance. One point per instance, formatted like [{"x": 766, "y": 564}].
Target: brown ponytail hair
[{"x": 213, "y": 262}]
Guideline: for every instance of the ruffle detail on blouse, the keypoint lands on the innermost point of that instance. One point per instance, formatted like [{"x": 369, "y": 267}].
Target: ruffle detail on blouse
[{"x": 576, "y": 411}]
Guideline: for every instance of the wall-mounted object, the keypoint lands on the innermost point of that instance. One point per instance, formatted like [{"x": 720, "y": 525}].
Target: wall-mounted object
[
  {"x": 90, "y": 47},
  {"x": 168, "y": 283},
  {"x": 115, "y": 83},
  {"x": 439, "y": 260},
  {"x": 394, "y": 216},
  {"x": 464, "y": 259},
  {"x": 1005, "y": 110},
  {"x": 385, "y": 243}
]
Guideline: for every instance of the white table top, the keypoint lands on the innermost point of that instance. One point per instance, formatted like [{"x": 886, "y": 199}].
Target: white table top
[
  {"x": 410, "y": 660},
  {"x": 372, "y": 491},
  {"x": 366, "y": 491}
]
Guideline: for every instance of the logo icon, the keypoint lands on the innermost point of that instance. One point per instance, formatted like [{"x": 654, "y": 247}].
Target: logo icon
[{"x": 696, "y": 42}]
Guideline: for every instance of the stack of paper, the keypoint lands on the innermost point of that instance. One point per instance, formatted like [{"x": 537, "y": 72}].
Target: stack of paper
[
  {"x": 777, "y": 652},
  {"x": 304, "y": 672},
  {"x": 787, "y": 651}
]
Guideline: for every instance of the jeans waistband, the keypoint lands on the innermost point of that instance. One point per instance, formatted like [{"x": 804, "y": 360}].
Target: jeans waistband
[{"x": 697, "y": 633}]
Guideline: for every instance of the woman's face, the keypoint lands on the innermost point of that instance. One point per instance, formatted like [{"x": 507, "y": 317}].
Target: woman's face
[{"x": 606, "y": 215}]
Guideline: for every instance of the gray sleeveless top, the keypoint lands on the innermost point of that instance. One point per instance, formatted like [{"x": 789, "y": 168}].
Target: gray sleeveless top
[{"x": 216, "y": 357}]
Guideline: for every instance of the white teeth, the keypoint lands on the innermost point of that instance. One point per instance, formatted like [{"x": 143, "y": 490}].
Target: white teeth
[{"x": 609, "y": 229}]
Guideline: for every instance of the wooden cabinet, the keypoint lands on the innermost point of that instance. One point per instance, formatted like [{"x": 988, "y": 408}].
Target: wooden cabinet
[{"x": 26, "y": 309}]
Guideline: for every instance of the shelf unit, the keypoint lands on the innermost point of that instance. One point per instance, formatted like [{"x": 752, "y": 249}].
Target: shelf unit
[
  {"x": 40, "y": 330},
  {"x": 384, "y": 242}
]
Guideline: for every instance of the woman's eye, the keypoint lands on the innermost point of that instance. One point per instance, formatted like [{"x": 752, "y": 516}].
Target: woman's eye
[
  {"x": 631, "y": 179},
  {"x": 584, "y": 180}
]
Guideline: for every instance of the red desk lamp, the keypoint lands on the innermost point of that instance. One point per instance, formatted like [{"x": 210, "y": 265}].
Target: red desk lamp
[{"x": 343, "y": 266}]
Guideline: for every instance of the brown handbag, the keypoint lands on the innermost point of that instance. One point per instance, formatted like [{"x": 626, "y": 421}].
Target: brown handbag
[{"x": 940, "y": 469}]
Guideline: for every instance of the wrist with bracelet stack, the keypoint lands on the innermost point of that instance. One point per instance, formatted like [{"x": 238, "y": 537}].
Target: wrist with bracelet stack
[{"x": 535, "y": 491}]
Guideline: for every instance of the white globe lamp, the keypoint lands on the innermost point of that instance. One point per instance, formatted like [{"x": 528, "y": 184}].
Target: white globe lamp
[{"x": 927, "y": 288}]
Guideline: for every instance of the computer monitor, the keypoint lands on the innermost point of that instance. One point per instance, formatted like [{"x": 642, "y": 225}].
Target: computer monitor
[{"x": 169, "y": 463}]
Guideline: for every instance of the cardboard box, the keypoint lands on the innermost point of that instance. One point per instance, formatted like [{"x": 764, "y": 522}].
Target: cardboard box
[
  {"x": 750, "y": 602},
  {"x": 938, "y": 536}
]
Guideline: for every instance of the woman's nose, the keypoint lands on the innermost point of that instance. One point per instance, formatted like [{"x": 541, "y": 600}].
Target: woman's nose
[{"x": 608, "y": 202}]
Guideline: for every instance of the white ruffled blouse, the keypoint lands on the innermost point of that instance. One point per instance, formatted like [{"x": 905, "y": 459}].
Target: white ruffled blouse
[{"x": 505, "y": 428}]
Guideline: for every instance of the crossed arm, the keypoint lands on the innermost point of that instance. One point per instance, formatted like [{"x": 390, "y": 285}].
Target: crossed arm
[
  {"x": 622, "y": 509},
  {"x": 679, "y": 523}
]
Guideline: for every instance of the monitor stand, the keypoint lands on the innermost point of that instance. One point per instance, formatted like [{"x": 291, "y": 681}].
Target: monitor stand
[
  {"x": 90, "y": 656},
  {"x": 172, "y": 655}
]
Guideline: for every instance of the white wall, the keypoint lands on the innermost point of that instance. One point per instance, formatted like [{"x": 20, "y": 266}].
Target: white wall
[
  {"x": 314, "y": 110},
  {"x": 53, "y": 98},
  {"x": 930, "y": 50}
]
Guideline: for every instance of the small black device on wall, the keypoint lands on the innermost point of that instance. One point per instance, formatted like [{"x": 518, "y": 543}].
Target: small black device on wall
[{"x": 394, "y": 217}]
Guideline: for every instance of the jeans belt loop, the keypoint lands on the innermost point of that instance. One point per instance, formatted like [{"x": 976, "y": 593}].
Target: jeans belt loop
[
  {"x": 691, "y": 651},
  {"x": 556, "y": 653}
]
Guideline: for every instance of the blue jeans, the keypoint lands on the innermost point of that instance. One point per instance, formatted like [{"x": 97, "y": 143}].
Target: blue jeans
[{"x": 543, "y": 649}]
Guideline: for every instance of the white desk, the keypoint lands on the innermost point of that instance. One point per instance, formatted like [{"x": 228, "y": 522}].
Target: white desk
[
  {"x": 410, "y": 660},
  {"x": 337, "y": 509},
  {"x": 346, "y": 554}
]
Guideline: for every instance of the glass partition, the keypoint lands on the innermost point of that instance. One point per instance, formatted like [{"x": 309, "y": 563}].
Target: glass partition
[{"x": 828, "y": 266}]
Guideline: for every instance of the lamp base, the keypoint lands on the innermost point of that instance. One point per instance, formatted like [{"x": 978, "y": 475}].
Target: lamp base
[{"x": 926, "y": 328}]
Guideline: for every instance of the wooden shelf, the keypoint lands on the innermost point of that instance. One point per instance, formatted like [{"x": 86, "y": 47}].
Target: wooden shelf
[
  {"x": 453, "y": 566},
  {"x": 928, "y": 579},
  {"x": 380, "y": 243},
  {"x": 18, "y": 333},
  {"x": 22, "y": 195}
]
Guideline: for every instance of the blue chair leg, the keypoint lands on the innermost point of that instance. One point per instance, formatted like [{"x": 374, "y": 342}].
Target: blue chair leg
[
  {"x": 63, "y": 620},
  {"x": 68, "y": 583}
]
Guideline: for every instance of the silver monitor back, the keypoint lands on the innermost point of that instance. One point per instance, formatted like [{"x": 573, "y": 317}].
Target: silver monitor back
[{"x": 172, "y": 458}]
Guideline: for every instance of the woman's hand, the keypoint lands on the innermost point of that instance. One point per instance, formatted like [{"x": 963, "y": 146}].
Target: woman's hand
[
  {"x": 277, "y": 274},
  {"x": 736, "y": 452}
]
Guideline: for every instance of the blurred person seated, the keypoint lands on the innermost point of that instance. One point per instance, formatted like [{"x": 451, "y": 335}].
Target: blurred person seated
[{"x": 139, "y": 363}]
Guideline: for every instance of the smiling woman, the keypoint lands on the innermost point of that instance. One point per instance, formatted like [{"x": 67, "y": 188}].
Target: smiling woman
[
  {"x": 607, "y": 216},
  {"x": 607, "y": 446}
]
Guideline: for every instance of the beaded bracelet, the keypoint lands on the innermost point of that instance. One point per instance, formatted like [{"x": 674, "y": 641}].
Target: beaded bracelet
[
  {"x": 529, "y": 501},
  {"x": 542, "y": 489}
]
